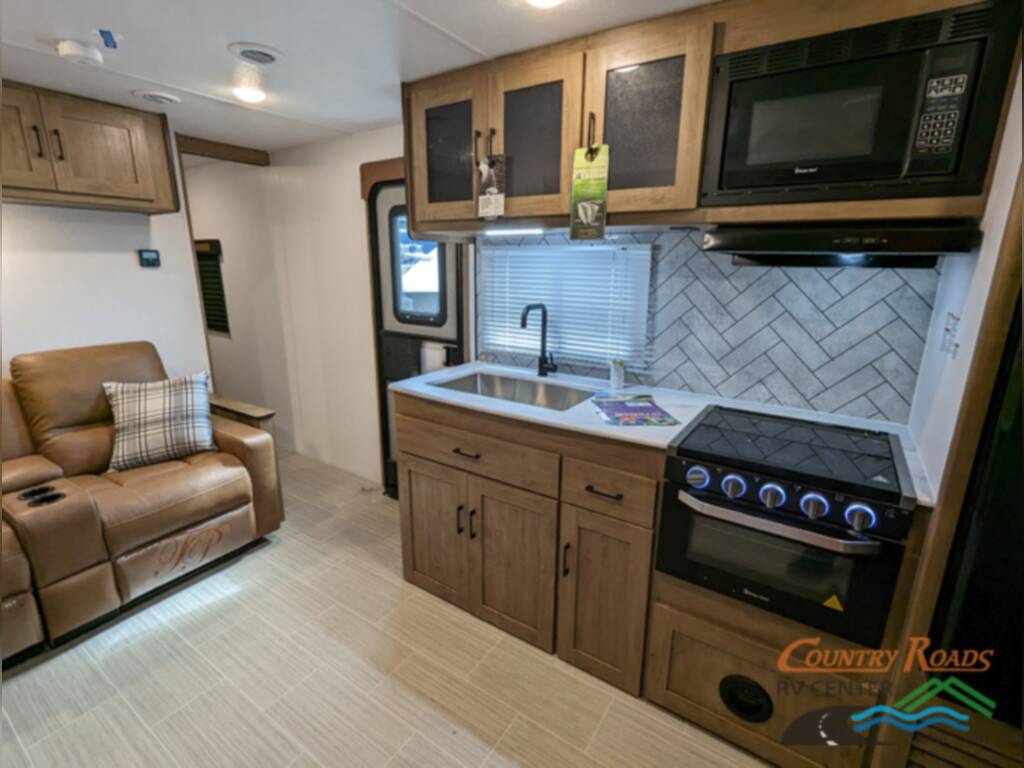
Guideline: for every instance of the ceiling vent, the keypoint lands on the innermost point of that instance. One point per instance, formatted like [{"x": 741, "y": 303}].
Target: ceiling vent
[
  {"x": 255, "y": 53},
  {"x": 80, "y": 53},
  {"x": 157, "y": 97}
]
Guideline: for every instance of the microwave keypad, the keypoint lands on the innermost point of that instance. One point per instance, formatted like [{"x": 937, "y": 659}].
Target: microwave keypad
[{"x": 937, "y": 130}]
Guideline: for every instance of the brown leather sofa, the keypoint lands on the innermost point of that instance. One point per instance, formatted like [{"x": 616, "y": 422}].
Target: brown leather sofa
[{"x": 107, "y": 538}]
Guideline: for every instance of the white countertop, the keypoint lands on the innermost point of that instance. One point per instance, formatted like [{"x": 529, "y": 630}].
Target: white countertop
[{"x": 584, "y": 418}]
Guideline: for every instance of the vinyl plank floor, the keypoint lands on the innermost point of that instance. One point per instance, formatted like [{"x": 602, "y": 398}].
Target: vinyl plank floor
[
  {"x": 528, "y": 745},
  {"x": 12, "y": 755},
  {"x": 420, "y": 753}
]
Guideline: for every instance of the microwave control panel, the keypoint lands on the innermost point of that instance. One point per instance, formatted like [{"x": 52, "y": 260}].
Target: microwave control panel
[{"x": 939, "y": 128}]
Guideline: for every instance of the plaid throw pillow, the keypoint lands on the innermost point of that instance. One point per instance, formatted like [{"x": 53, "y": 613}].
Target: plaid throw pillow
[{"x": 160, "y": 420}]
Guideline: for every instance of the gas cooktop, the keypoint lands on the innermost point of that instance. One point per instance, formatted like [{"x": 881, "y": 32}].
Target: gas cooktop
[{"x": 858, "y": 461}]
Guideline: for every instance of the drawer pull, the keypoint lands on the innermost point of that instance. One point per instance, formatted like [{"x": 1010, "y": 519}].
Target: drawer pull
[
  {"x": 603, "y": 495},
  {"x": 565, "y": 559},
  {"x": 466, "y": 454},
  {"x": 472, "y": 517},
  {"x": 458, "y": 520}
]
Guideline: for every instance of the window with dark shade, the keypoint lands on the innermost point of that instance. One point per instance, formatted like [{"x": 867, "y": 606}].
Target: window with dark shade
[{"x": 211, "y": 285}]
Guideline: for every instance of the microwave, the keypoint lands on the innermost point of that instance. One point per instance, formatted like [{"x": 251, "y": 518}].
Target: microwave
[{"x": 908, "y": 108}]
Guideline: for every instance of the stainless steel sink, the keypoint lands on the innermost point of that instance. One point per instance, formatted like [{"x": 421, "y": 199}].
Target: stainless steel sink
[{"x": 557, "y": 397}]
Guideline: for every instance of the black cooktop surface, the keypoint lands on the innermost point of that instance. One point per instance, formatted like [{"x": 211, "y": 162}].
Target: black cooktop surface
[{"x": 793, "y": 448}]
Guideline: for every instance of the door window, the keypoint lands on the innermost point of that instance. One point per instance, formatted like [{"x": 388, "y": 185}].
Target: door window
[{"x": 417, "y": 275}]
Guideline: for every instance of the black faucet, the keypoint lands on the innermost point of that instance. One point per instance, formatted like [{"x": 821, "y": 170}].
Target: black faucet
[{"x": 545, "y": 364}]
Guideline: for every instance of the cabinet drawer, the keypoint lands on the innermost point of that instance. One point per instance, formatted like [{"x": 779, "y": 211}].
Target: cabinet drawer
[
  {"x": 514, "y": 464},
  {"x": 609, "y": 491}
]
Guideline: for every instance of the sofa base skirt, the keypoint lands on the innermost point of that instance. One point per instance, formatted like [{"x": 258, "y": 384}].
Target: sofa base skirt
[
  {"x": 161, "y": 562},
  {"x": 20, "y": 626}
]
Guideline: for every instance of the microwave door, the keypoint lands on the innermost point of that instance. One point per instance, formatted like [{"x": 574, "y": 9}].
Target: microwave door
[{"x": 845, "y": 122}]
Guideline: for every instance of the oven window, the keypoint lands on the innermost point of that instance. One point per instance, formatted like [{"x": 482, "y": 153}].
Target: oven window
[
  {"x": 806, "y": 572},
  {"x": 816, "y": 126}
]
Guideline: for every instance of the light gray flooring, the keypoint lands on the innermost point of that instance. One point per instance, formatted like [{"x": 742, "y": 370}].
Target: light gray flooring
[{"x": 312, "y": 652}]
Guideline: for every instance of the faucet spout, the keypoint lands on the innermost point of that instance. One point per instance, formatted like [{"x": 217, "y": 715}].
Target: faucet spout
[{"x": 545, "y": 363}]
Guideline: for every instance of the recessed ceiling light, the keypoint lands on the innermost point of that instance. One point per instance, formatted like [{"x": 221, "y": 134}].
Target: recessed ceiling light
[
  {"x": 250, "y": 95},
  {"x": 255, "y": 53},
  {"x": 157, "y": 97},
  {"x": 545, "y": 3}
]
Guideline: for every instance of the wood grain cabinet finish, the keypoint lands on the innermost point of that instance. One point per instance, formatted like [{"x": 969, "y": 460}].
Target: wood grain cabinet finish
[
  {"x": 435, "y": 542},
  {"x": 26, "y": 156},
  {"x": 446, "y": 122},
  {"x": 615, "y": 493},
  {"x": 604, "y": 573},
  {"x": 65, "y": 150},
  {"x": 534, "y": 107},
  {"x": 647, "y": 97},
  {"x": 513, "y": 537}
]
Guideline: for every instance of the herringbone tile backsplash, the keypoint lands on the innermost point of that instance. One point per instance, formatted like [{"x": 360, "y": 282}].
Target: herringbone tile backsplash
[{"x": 841, "y": 340}]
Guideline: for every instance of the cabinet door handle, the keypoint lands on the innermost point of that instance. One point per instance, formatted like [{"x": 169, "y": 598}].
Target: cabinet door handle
[
  {"x": 466, "y": 454},
  {"x": 472, "y": 517},
  {"x": 476, "y": 148},
  {"x": 39, "y": 141},
  {"x": 60, "y": 144},
  {"x": 565, "y": 559},
  {"x": 458, "y": 520},
  {"x": 490, "y": 142},
  {"x": 602, "y": 494}
]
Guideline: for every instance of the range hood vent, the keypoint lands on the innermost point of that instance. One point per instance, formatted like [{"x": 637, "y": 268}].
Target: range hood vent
[{"x": 864, "y": 244}]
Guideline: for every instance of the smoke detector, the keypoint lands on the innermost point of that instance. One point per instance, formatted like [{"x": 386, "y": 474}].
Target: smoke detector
[
  {"x": 80, "y": 53},
  {"x": 255, "y": 53},
  {"x": 158, "y": 97}
]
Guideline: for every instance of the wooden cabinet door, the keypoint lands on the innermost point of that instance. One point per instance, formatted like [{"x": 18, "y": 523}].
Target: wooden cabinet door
[
  {"x": 648, "y": 99},
  {"x": 435, "y": 535},
  {"x": 535, "y": 113},
  {"x": 513, "y": 536},
  {"x": 446, "y": 122},
  {"x": 98, "y": 149},
  {"x": 604, "y": 574},
  {"x": 26, "y": 158}
]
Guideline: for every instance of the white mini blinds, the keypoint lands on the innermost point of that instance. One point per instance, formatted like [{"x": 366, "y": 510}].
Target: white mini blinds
[{"x": 596, "y": 295}]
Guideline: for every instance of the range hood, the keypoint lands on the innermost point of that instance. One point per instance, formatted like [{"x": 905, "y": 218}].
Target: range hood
[{"x": 862, "y": 244}]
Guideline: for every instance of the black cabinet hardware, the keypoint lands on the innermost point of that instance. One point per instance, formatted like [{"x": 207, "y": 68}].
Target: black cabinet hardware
[
  {"x": 466, "y": 454},
  {"x": 60, "y": 144},
  {"x": 602, "y": 494},
  {"x": 472, "y": 517},
  {"x": 565, "y": 559},
  {"x": 458, "y": 520},
  {"x": 39, "y": 141}
]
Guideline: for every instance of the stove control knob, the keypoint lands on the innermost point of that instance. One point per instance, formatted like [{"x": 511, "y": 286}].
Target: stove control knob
[
  {"x": 772, "y": 495},
  {"x": 698, "y": 477},
  {"x": 814, "y": 505},
  {"x": 734, "y": 486},
  {"x": 860, "y": 517}
]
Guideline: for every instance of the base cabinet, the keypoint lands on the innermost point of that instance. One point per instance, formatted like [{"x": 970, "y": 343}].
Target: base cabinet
[
  {"x": 482, "y": 545},
  {"x": 604, "y": 570}
]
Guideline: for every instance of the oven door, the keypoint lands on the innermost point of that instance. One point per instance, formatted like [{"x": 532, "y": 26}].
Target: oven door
[
  {"x": 845, "y": 122},
  {"x": 813, "y": 573}
]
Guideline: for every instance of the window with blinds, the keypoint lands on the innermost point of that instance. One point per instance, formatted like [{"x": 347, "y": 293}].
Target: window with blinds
[
  {"x": 596, "y": 295},
  {"x": 211, "y": 285}
]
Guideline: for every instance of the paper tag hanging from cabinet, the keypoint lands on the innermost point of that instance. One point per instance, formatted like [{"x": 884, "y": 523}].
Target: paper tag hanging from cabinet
[
  {"x": 491, "y": 197},
  {"x": 589, "y": 208}
]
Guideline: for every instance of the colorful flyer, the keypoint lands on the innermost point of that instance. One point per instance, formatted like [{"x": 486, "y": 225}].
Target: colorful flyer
[
  {"x": 589, "y": 193},
  {"x": 621, "y": 410}
]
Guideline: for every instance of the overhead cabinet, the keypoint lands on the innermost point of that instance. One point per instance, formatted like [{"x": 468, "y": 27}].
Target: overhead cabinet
[{"x": 65, "y": 150}]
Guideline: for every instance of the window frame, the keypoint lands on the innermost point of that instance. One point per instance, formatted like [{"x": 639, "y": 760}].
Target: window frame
[{"x": 436, "y": 320}]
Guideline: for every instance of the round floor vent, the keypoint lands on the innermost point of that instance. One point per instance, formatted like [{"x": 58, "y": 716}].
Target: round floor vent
[{"x": 255, "y": 53}]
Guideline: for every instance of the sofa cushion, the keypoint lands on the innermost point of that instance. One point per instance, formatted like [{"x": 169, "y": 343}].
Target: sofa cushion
[
  {"x": 61, "y": 396},
  {"x": 16, "y": 439},
  {"x": 137, "y": 508},
  {"x": 162, "y": 420}
]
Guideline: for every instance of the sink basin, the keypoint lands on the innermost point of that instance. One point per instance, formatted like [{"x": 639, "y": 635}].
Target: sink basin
[{"x": 557, "y": 397}]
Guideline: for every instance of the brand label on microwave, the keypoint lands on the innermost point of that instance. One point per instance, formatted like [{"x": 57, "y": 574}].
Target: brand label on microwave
[
  {"x": 756, "y": 595},
  {"x": 801, "y": 171}
]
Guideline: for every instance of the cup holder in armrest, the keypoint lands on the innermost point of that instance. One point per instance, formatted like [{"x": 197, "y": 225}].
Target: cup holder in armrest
[
  {"x": 42, "y": 501},
  {"x": 33, "y": 493}
]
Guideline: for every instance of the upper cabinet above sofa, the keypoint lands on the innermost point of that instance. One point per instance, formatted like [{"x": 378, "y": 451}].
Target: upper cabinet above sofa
[{"x": 65, "y": 150}]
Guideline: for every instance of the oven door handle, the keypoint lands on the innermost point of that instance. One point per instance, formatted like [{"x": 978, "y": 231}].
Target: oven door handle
[{"x": 811, "y": 538}]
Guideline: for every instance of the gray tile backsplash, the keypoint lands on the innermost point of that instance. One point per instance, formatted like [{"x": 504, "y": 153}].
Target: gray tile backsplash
[{"x": 843, "y": 340}]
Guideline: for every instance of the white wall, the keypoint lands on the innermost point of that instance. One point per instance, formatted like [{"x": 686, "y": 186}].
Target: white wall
[
  {"x": 963, "y": 290},
  {"x": 71, "y": 277},
  {"x": 230, "y": 202}
]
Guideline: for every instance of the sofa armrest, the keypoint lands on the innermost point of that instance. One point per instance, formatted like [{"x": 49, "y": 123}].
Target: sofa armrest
[
  {"x": 26, "y": 471},
  {"x": 255, "y": 449}
]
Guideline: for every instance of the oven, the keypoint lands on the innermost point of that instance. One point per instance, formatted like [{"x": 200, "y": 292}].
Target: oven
[
  {"x": 817, "y": 573},
  {"x": 902, "y": 109}
]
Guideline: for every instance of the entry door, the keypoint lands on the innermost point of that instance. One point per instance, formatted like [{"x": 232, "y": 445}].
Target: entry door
[{"x": 418, "y": 307}]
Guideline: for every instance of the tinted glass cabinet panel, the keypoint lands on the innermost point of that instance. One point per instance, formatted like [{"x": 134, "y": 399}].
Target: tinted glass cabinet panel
[
  {"x": 535, "y": 111},
  {"x": 648, "y": 104},
  {"x": 444, "y": 121}
]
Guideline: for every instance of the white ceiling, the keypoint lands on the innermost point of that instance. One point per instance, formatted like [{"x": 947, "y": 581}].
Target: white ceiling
[{"x": 343, "y": 60}]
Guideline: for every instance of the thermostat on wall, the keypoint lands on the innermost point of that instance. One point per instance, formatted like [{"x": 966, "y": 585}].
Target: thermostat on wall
[{"x": 149, "y": 258}]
